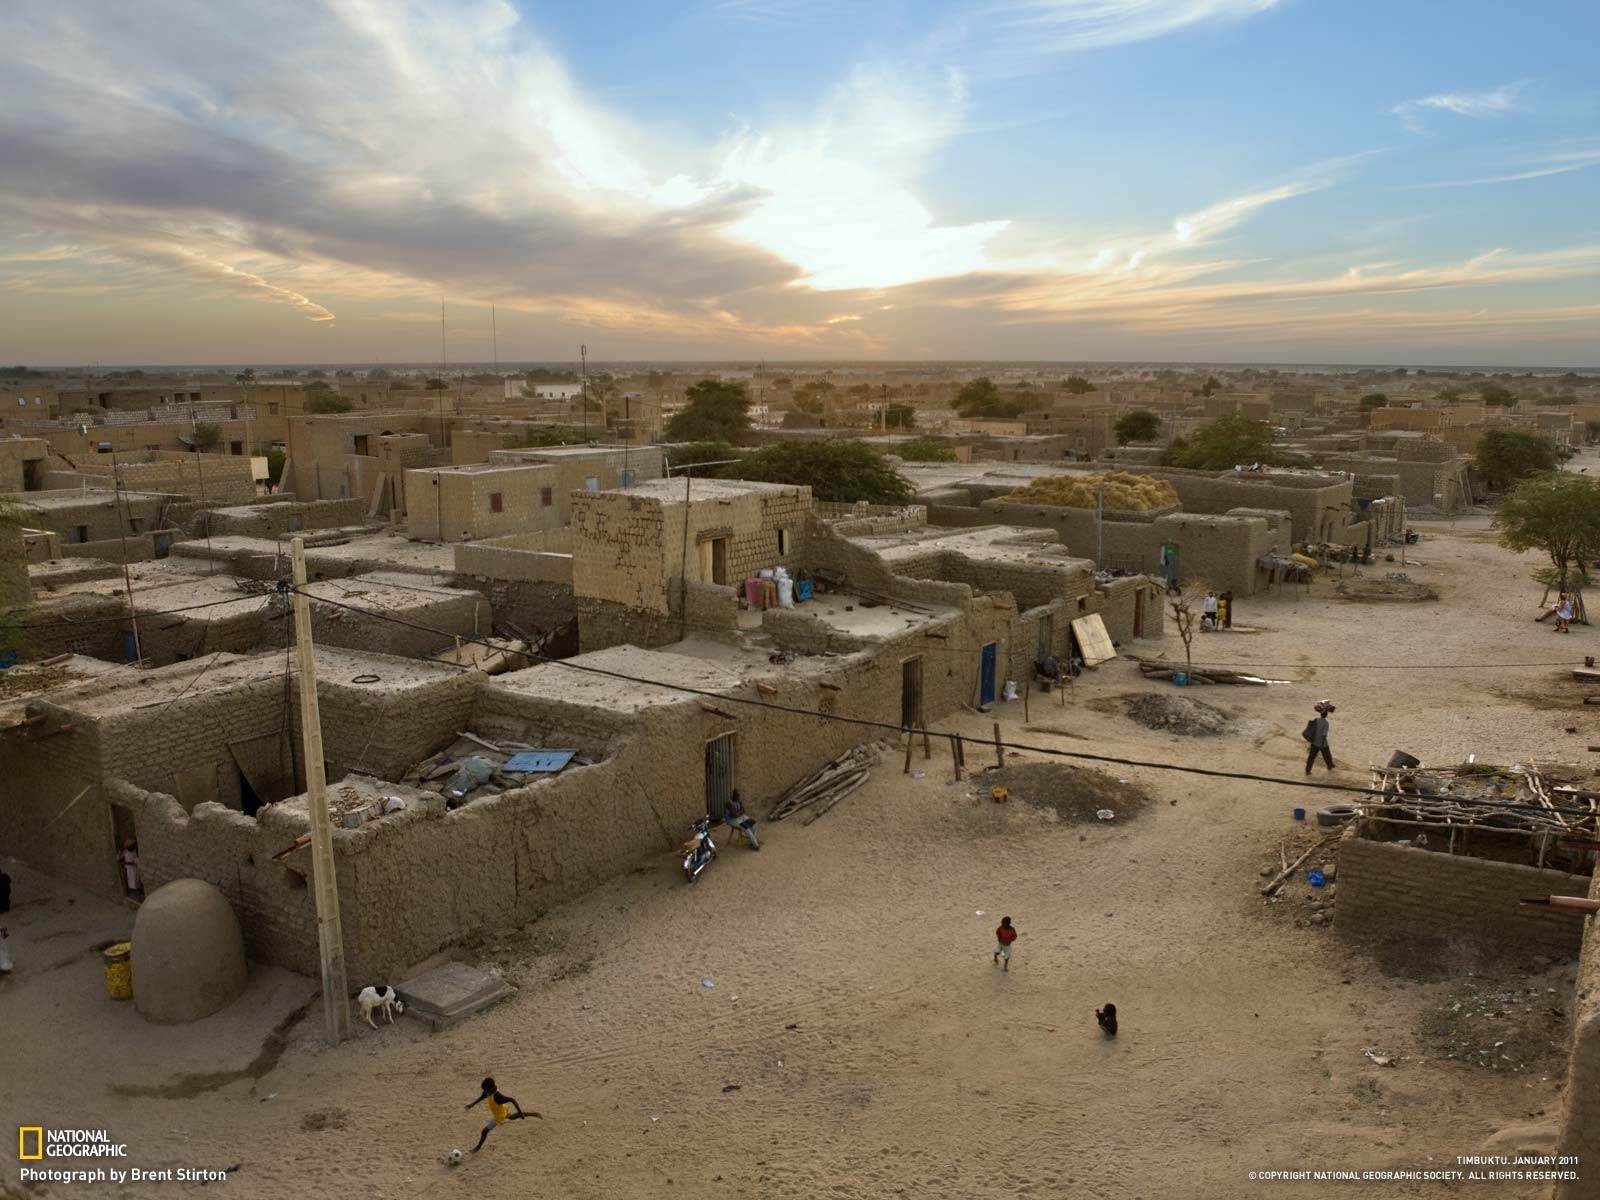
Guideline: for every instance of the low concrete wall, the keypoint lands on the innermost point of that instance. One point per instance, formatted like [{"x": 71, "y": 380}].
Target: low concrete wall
[{"x": 1385, "y": 889}]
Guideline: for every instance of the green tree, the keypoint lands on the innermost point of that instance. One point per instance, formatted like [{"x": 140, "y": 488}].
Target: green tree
[
  {"x": 1229, "y": 442},
  {"x": 693, "y": 453},
  {"x": 925, "y": 449},
  {"x": 1077, "y": 385},
  {"x": 1591, "y": 432},
  {"x": 982, "y": 399},
  {"x": 718, "y": 410},
  {"x": 1448, "y": 394},
  {"x": 1140, "y": 425},
  {"x": 435, "y": 385},
  {"x": 321, "y": 403},
  {"x": 1497, "y": 396},
  {"x": 276, "y": 457},
  {"x": 842, "y": 471},
  {"x": 207, "y": 436},
  {"x": 1554, "y": 511},
  {"x": 1212, "y": 384},
  {"x": 1373, "y": 400},
  {"x": 1504, "y": 456}
]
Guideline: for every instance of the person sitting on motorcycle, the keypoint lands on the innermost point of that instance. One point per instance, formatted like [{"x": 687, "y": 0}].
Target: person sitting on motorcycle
[{"x": 735, "y": 816}]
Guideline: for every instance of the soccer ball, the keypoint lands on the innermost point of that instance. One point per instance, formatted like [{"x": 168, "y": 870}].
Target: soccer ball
[{"x": 453, "y": 1158}]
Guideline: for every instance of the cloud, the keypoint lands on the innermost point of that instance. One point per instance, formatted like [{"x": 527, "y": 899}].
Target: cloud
[
  {"x": 1059, "y": 26},
  {"x": 1492, "y": 103},
  {"x": 1554, "y": 164},
  {"x": 835, "y": 196}
]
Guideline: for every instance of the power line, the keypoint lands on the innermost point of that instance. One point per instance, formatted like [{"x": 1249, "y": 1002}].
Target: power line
[
  {"x": 143, "y": 615},
  {"x": 884, "y": 726}
]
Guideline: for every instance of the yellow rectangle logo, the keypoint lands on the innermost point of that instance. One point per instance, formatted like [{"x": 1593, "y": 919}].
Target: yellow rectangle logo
[{"x": 38, "y": 1141}]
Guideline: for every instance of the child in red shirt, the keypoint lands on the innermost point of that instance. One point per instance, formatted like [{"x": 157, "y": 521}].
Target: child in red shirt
[{"x": 1003, "y": 937}]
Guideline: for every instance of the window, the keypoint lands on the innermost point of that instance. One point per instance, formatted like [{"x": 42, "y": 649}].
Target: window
[
  {"x": 235, "y": 447},
  {"x": 592, "y": 483},
  {"x": 273, "y": 409},
  {"x": 547, "y": 497},
  {"x": 79, "y": 533},
  {"x": 783, "y": 542},
  {"x": 496, "y": 502}
]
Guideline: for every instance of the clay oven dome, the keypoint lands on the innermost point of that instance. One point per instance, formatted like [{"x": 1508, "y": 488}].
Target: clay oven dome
[{"x": 188, "y": 953}]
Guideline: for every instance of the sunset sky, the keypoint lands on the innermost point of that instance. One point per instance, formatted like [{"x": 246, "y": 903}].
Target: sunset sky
[{"x": 1227, "y": 180}]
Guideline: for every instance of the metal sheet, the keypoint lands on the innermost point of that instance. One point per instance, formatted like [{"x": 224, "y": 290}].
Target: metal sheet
[
  {"x": 1094, "y": 642},
  {"x": 532, "y": 762}
]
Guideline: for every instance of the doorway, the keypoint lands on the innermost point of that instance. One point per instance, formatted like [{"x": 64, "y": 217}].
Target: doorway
[
  {"x": 718, "y": 559},
  {"x": 1047, "y": 637},
  {"x": 362, "y": 446},
  {"x": 123, "y": 831},
  {"x": 1138, "y": 612},
  {"x": 911, "y": 693},
  {"x": 986, "y": 675},
  {"x": 719, "y": 774}
]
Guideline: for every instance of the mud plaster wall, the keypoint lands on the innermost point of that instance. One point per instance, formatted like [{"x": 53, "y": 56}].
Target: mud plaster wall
[
  {"x": 14, "y": 585},
  {"x": 382, "y": 729},
  {"x": 276, "y": 520},
  {"x": 1386, "y": 889},
  {"x": 79, "y": 624},
  {"x": 467, "y": 614},
  {"x": 53, "y": 817},
  {"x": 1580, "y": 1114},
  {"x": 174, "y": 637}
]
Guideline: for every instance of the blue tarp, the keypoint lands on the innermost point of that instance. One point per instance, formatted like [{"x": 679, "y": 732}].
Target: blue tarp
[{"x": 539, "y": 761}]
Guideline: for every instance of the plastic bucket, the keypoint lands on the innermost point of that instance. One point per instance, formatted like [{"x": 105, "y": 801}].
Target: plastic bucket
[
  {"x": 1180, "y": 679},
  {"x": 119, "y": 971},
  {"x": 1299, "y": 814}
]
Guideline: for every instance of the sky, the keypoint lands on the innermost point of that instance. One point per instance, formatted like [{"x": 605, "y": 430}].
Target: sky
[{"x": 1332, "y": 181}]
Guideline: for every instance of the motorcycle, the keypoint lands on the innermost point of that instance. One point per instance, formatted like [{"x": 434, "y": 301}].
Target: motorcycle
[{"x": 698, "y": 851}]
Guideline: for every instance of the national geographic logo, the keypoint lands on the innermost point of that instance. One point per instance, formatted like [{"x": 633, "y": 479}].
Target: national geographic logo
[{"x": 34, "y": 1142}]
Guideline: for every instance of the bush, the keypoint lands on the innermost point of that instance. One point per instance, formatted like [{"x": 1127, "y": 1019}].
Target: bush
[
  {"x": 925, "y": 450},
  {"x": 691, "y": 453},
  {"x": 835, "y": 471}
]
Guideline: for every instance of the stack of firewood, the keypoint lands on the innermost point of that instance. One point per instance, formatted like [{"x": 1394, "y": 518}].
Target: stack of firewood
[{"x": 821, "y": 790}]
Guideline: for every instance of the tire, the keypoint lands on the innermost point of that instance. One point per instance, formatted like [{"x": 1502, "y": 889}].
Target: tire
[{"x": 1335, "y": 814}]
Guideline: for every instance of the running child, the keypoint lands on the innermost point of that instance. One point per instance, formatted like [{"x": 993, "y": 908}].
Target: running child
[{"x": 500, "y": 1106}]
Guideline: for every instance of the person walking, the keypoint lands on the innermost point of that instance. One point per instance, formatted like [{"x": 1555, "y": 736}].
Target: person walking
[
  {"x": 1003, "y": 937},
  {"x": 1316, "y": 733},
  {"x": 1208, "y": 610}
]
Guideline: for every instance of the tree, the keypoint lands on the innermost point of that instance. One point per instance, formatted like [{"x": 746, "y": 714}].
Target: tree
[
  {"x": 1228, "y": 442},
  {"x": 1212, "y": 384},
  {"x": 1373, "y": 400},
  {"x": 718, "y": 410},
  {"x": 813, "y": 397},
  {"x": 1591, "y": 432},
  {"x": 1185, "y": 617},
  {"x": 1448, "y": 394},
  {"x": 320, "y": 403},
  {"x": 1556, "y": 512},
  {"x": 276, "y": 457},
  {"x": 1077, "y": 385},
  {"x": 207, "y": 436},
  {"x": 981, "y": 398},
  {"x": 925, "y": 449},
  {"x": 1504, "y": 456},
  {"x": 435, "y": 385},
  {"x": 693, "y": 453},
  {"x": 1140, "y": 425},
  {"x": 1497, "y": 396},
  {"x": 838, "y": 471}
]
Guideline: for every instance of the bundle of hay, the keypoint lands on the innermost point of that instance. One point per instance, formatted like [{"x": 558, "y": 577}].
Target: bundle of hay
[{"x": 1123, "y": 491}]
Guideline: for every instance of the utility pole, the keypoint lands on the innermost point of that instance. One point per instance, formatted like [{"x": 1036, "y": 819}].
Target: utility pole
[
  {"x": 324, "y": 879},
  {"x": 199, "y": 466},
  {"x": 583, "y": 353},
  {"x": 1099, "y": 524},
  {"x": 122, "y": 532},
  {"x": 494, "y": 339}
]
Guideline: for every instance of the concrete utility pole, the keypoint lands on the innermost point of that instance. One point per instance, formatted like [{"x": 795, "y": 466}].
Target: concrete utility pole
[{"x": 324, "y": 879}]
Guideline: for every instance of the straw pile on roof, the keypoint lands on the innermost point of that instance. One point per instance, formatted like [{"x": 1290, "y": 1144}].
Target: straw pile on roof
[{"x": 1123, "y": 491}]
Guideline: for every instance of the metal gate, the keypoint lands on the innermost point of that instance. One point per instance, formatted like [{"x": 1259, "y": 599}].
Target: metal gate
[
  {"x": 719, "y": 774},
  {"x": 986, "y": 676}
]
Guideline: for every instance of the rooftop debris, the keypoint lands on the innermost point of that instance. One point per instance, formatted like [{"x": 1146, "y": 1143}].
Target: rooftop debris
[{"x": 472, "y": 767}]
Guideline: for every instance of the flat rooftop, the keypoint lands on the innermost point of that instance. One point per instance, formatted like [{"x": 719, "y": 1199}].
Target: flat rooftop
[
  {"x": 671, "y": 491},
  {"x": 571, "y": 682},
  {"x": 123, "y": 691}
]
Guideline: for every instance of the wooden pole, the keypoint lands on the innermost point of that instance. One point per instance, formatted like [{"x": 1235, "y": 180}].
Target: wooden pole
[
  {"x": 1027, "y": 690},
  {"x": 911, "y": 741},
  {"x": 330, "y": 934},
  {"x": 927, "y": 744},
  {"x": 999, "y": 750},
  {"x": 955, "y": 756}
]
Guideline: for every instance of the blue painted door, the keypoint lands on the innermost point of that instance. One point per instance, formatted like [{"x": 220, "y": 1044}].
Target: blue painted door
[{"x": 986, "y": 676}]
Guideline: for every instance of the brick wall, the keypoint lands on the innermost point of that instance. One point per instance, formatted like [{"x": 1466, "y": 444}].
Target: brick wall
[
  {"x": 1385, "y": 889},
  {"x": 278, "y": 519}
]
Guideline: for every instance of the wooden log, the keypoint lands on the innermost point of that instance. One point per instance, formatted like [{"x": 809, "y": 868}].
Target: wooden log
[
  {"x": 712, "y": 708},
  {"x": 999, "y": 750},
  {"x": 1278, "y": 881},
  {"x": 955, "y": 755}
]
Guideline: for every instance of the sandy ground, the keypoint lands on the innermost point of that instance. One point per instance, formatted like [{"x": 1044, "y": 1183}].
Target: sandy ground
[{"x": 858, "y": 1041}]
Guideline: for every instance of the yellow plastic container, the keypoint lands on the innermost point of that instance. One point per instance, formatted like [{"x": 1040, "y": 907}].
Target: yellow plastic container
[{"x": 119, "y": 971}]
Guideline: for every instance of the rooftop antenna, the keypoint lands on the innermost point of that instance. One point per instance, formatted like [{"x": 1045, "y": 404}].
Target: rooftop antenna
[
  {"x": 583, "y": 353},
  {"x": 494, "y": 339},
  {"x": 444, "y": 352}
]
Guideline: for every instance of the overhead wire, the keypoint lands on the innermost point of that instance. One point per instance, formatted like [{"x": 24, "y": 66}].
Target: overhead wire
[{"x": 887, "y": 727}]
